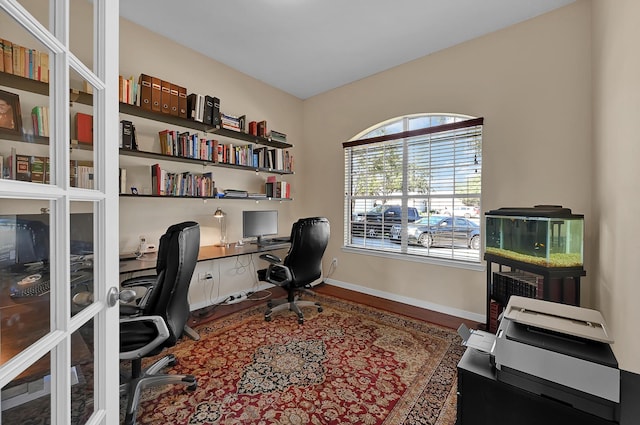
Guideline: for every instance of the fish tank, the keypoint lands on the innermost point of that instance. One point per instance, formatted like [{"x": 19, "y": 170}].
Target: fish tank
[{"x": 544, "y": 235}]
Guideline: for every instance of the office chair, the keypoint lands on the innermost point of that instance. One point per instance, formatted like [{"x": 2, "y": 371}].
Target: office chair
[
  {"x": 158, "y": 319},
  {"x": 301, "y": 267}
]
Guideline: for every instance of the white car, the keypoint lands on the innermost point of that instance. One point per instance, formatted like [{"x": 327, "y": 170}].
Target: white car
[{"x": 463, "y": 211}]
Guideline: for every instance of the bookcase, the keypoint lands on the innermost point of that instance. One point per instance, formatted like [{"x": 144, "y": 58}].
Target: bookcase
[{"x": 145, "y": 157}]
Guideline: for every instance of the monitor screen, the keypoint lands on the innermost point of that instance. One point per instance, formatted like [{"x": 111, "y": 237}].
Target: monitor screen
[{"x": 256, "y": 224}]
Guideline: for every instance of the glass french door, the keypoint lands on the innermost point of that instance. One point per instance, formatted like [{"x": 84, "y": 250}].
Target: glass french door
[{"x": 58, "y": 211}]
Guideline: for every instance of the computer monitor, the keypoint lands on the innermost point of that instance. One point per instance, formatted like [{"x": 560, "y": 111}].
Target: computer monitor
[{"x": 258, "y": 224}]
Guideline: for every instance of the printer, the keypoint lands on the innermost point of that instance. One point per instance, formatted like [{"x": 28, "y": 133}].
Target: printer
[{"x": 557, "y": 351}]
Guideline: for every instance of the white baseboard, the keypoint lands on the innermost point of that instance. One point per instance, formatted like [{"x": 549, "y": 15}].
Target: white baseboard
[{"x": 410, "y": 301}]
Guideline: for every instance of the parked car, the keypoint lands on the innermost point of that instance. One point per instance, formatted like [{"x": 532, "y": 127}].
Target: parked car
[
  {"x": 463, "y": 211},
  {"x": 377, "y": 221},
  {"x": 440, "y": 231}
]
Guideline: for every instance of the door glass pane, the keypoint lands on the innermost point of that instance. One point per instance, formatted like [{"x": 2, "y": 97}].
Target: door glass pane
[
  {"x": 81, "y": 34},
  {"x": 82, "y": 376},
  {"x": 39, "y": 9},
  {"x": 26, "y": 122},
  {"x": 82, "y": 250},
  {"x": 81, "y": 124},
  {"x": 24, "y": 275},
  {"x": 27, "y": 399}
]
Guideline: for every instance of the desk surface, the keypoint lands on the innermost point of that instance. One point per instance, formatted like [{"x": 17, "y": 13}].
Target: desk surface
[{"x": 207, "y": 252}]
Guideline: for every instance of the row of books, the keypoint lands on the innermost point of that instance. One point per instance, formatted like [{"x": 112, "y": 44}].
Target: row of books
[
  {"x": 187, "y": 145},
  {"x": 24, "y": 62},
  {"x": 128, "y": 89},
  {"x": 35, "y": 169},
  {"x": 181, "y": 184},
  {"x": 277, "y": 189},
  {"x": 40, "y": 120}
]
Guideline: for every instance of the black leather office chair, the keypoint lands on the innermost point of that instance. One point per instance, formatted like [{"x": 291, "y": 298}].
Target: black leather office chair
[
  {"x": 158, "y": 319},
  {"x": 301, "y": 267}
]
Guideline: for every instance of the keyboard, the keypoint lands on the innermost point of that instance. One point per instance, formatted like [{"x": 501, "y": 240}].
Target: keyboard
[{"x": 30, "y": 286}]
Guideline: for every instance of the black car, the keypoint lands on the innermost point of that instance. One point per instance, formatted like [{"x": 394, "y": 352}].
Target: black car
[
  {"x": 378, "y": 221},
  {"x": 440, "y": 231}
]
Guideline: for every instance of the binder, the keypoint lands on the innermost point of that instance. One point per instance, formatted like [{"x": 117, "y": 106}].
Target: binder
[
  {"x": 215, "y": 114},
  {"x": 145, "y": 91},
  {"x": 156, "y": 94},
  {"x": 165, "y": 97},
  {"x": 182, "y": 102},
  {"x": 84, "y": 128},
  {"x": 208, "y": 110},
  {"x": 173, "y": 104}
]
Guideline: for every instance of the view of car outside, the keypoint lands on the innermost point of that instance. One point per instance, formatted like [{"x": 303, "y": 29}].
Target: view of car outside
[{"x": 449, "y": 229}]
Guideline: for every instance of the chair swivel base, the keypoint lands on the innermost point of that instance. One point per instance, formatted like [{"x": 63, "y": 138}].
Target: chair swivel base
[
  {"x": 149, "y": 378},
  {"x": 275, "y": 306}
]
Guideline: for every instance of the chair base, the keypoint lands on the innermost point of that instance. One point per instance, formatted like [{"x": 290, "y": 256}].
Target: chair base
[
  {"x": 275, "y": 306},
  {"x": 149, "y": 378}
]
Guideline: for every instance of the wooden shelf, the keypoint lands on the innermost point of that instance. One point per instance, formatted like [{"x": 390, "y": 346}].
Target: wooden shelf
[{"x": 130, "y": 195}]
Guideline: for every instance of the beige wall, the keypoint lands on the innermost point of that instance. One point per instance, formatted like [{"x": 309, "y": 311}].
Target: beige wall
[
  {"x": 616, "y": 108},
  {"x": 531, "y": 83}
]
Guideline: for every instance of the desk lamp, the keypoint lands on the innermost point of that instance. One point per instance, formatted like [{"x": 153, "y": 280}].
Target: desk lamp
[{"x": 221, "y": 217}]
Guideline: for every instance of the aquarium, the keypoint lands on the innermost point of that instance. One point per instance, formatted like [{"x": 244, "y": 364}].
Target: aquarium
[{"x": 545, "y": 235}]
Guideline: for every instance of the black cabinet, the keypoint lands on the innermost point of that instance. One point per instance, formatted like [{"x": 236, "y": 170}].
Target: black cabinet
[
  {"x": 483, "y": 400},
  {"x": 560, "y": 284}
]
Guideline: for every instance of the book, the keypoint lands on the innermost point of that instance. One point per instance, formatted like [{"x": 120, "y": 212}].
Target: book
[
  {"x": 215, "y": 114},
  {"x": 156, "y": 94},
  {"x": 7, "y": 56},
  {"x": 1, "y": 62},
  {"x": 165, "y": 99},
  {"x": 126, "y": 134},
  {"x": 122, "y": 183},
  {"x": 37, "y": 164},
  {"x": 23, "y": 168},
  {"x": 145, "y": 91},
  {"x": 262, "y": 128},
  {"x": 84, "y": 128},
  {"x": 44, "y": 67}
]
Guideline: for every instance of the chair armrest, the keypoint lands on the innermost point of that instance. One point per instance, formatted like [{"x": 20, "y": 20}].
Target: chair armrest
[
  {"x": 163, "y": 335},
  {"x": 273, "y": 259},
  {"x": 279, "y": 274},
  {"x": 139, "y": 281}
]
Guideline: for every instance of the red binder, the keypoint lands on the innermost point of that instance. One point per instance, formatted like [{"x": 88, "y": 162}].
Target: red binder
[{"x": 84, "y": 128}]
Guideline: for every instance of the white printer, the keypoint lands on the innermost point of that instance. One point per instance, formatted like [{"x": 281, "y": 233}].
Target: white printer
[{"x": 557, "y": 351}]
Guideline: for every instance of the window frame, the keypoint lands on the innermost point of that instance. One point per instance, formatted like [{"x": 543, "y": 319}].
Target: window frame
[{"x": 400, "y": 142}]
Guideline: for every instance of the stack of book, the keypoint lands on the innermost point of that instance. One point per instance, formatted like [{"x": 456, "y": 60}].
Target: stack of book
[
  {"x": 234, "y": 193},
  {"x": 230, "y": 122},
  {"x": 128, "y": 90},
  {"x": 186, "y": 145},
  {"x": 277, "y": 189}
]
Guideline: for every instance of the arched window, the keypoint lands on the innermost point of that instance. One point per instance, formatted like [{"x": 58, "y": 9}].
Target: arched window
[{"x": 413, "y": 188}]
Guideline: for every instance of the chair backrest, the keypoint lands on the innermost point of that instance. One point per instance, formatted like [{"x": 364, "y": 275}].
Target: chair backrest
[
  {"x": 177, "y": 257},
  {"x": 309, "y": 239}
]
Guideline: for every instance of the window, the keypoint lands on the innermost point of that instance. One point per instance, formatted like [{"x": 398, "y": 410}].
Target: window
[{"x": 413, "y": 188}]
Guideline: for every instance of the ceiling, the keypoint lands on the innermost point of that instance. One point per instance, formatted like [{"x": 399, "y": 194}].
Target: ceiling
[{"x": 306, "y": 47}]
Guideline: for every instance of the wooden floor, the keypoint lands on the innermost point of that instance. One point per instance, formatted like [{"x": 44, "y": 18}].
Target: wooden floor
[{"x": 212, "y": 313}]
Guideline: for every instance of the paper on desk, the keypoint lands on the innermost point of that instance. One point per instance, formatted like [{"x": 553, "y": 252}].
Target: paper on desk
[{"x": 480, "y": 340}]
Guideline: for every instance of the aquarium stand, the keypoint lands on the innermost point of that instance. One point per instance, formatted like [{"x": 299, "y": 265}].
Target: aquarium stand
[{"x": 560, "y": 284}]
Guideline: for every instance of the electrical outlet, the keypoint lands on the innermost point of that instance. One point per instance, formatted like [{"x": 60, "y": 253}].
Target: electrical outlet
[{"x": 334, "y": 262}]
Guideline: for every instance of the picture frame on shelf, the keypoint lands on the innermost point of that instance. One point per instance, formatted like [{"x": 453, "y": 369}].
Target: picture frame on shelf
[{"x": 10, "y": 116}]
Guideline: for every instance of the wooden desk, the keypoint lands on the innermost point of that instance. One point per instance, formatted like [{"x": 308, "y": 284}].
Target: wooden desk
[{"x": 207, "y": 252}]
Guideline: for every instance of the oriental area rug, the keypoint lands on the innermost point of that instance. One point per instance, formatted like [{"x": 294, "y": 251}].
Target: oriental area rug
[{"x": 349, "y": 364}]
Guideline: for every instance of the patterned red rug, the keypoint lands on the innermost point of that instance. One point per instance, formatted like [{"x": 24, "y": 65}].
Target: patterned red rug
[{"x": 348, "y": 364}]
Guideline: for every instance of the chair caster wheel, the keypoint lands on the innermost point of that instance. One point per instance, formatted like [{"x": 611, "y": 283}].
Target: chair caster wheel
[
  {"x": 319, "y": 309},
  {"x": 269, "y": 304},
  {"x": 172, "y": 361},
  {"x": 129, "y": 419},
  {"x": 300, "y": 321},
  {"x": 267, "y": 318},
  {"x": 192, "y": 387}
]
